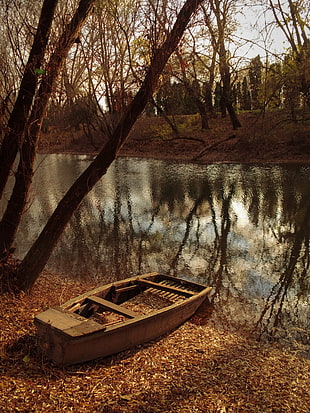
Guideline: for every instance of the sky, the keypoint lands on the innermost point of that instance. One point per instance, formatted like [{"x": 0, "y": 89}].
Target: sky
[{"x": 261, "y": 40}]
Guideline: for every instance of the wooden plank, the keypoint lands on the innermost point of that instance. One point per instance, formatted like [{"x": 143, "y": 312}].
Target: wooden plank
[
  {"x": 188, "y": 284},
  {"x": 87, "y": 327},
  {"x": 105, "y": 289},
  {"x": 56, "y": 317},
  {"x": 113, "y": 307},
  {"x": 163, "y": 287},
  {"x": 67, "y": 322},
  {"x": 126, "y": 289}
]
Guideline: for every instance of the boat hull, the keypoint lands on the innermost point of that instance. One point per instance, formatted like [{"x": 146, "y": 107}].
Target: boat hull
[{"x": 66, "y": 349}]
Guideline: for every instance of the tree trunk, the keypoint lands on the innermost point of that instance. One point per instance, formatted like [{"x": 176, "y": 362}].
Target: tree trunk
[
  {"x": 226, "y": 83},
  {"x": 12, "y": 216},
  {"x": 39, "y": 253},
  {"x": 195, "y": 95},
  {"x": 208, "y": 98},
  {"x": 221, "y": 19},
  {"x": 227, "y": 99},
  {"x": 203, "y": 114},
  {"x": 15, "y": 128}
]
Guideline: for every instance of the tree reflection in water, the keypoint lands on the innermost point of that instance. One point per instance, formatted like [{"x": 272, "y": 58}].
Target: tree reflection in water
[
  {"x": 283, "y": 316},
  {"x": 242, "y": 229}
]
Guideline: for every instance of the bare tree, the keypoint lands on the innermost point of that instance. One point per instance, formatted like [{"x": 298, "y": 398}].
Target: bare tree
[
  {"x": 37, "y": 256},
  {"x": 293, "y": 19},
  {"x": 194, "y": 91},
  {"x": 16, "y": 124},
  {"x": 222, "y": 11},
  {"x": 30, "y": 128}
]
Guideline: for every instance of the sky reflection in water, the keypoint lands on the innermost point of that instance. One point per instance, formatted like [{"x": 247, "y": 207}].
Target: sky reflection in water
[{"x": 242, "y": 229}]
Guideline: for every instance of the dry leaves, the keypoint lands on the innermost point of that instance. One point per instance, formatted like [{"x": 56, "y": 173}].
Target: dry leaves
[{"x": 196, "y": 368}]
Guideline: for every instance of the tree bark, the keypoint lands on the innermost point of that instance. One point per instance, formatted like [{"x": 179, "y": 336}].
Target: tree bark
[
  {"x": 227, "y": 100},
  {"x": 221, "y": 19},
  {"x": 15, "y": 128},
  {"x": 226, "y": 84},
  {"x": 194, "y": 94},
  {"x": 203, "y": 114},
  {"x": 36, "y": 258},
  {"x": 12, "y": 216}
]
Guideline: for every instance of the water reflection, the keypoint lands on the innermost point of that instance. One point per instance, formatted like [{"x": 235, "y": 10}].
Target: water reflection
[{"x": 242, "y": 229}]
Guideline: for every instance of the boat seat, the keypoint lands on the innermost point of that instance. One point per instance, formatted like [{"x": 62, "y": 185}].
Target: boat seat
[
  {"x": 113, "y": 307},
  {"x": 56, "y": 318}
]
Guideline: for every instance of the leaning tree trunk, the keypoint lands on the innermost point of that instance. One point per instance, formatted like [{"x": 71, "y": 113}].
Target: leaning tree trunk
[
  {"x": 12, "y": 216},
  {"x": 16, "y": 124},
  {"x": 39, "y": 253},
  {"x": 227, "y": 95}
]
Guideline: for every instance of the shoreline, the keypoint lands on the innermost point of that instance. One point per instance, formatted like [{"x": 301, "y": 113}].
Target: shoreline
[
  {"x": 197, "y": 367},
  {"x": 150, "y": 140},
  {"x": 272, "y": 138},
  {"x": 218, "y": 158}
]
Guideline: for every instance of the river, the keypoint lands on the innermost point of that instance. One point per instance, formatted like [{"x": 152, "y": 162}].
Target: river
[{"x": 243, "y": 229}]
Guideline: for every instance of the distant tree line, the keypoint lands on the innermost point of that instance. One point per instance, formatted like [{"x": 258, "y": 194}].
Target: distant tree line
[
  {"x": 205, "y": 75},
  {"x": 258, "y": 86}
]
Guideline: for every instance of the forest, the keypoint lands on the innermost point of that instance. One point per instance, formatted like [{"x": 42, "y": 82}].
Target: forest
[
  {"x": 92, "y": 68},
  {"x": 170, "y": 79}
]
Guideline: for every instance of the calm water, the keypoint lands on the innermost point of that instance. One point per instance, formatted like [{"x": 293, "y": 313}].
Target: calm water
[{"x": 242, "y": 229}]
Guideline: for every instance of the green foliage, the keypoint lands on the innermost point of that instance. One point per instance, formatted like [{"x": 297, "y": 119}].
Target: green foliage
[
  {"x": 286, "y": 84},
  {"x": 292, "y": 84}
]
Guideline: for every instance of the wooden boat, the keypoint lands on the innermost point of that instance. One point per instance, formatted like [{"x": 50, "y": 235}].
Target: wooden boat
[{"x": 115, "y": 317}]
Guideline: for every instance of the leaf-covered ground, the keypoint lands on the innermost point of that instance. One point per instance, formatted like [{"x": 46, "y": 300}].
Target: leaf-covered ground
[
  {"x": 270, "y": 137},
  {"x": 195, "y": 368}
]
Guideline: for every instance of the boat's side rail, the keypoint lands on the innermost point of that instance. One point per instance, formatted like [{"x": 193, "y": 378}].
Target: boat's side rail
[
  {"x": 164, "y": 287},
  {"x": 121, "y": 291},
  {"x": 189, "y": 285}
]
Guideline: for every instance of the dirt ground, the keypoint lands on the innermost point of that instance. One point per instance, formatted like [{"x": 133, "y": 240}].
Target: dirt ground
[
  {"x": 269, "y": 138},
  {"x": 249, "y": 144}
]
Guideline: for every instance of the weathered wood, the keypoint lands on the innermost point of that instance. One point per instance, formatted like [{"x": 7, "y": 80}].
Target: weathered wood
[
  {"x": 122, "y": 294},
  {"x": 126, "y": 289},
  {"x": 70, "y": 323},
  {"x": 105, "y": 290},
  {"x": 167, "y": 288},
  {"x": 68, "y": 338},
  {"x": 190, "y": 285},
  {"x": 113, "y": 307}
]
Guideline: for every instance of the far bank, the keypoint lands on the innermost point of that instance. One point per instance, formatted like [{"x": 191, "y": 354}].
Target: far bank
[{"x": 263, "y": 138}]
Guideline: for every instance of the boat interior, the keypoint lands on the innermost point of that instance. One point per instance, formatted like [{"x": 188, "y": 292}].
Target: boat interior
[{"x": 129, "y": 299}]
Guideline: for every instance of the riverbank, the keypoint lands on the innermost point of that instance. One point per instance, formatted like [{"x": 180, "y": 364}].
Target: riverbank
[
  {"x": 196, "y": 368},
  {"x": 272, "y": 139},
  {"x": 263, "y": 138}
]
